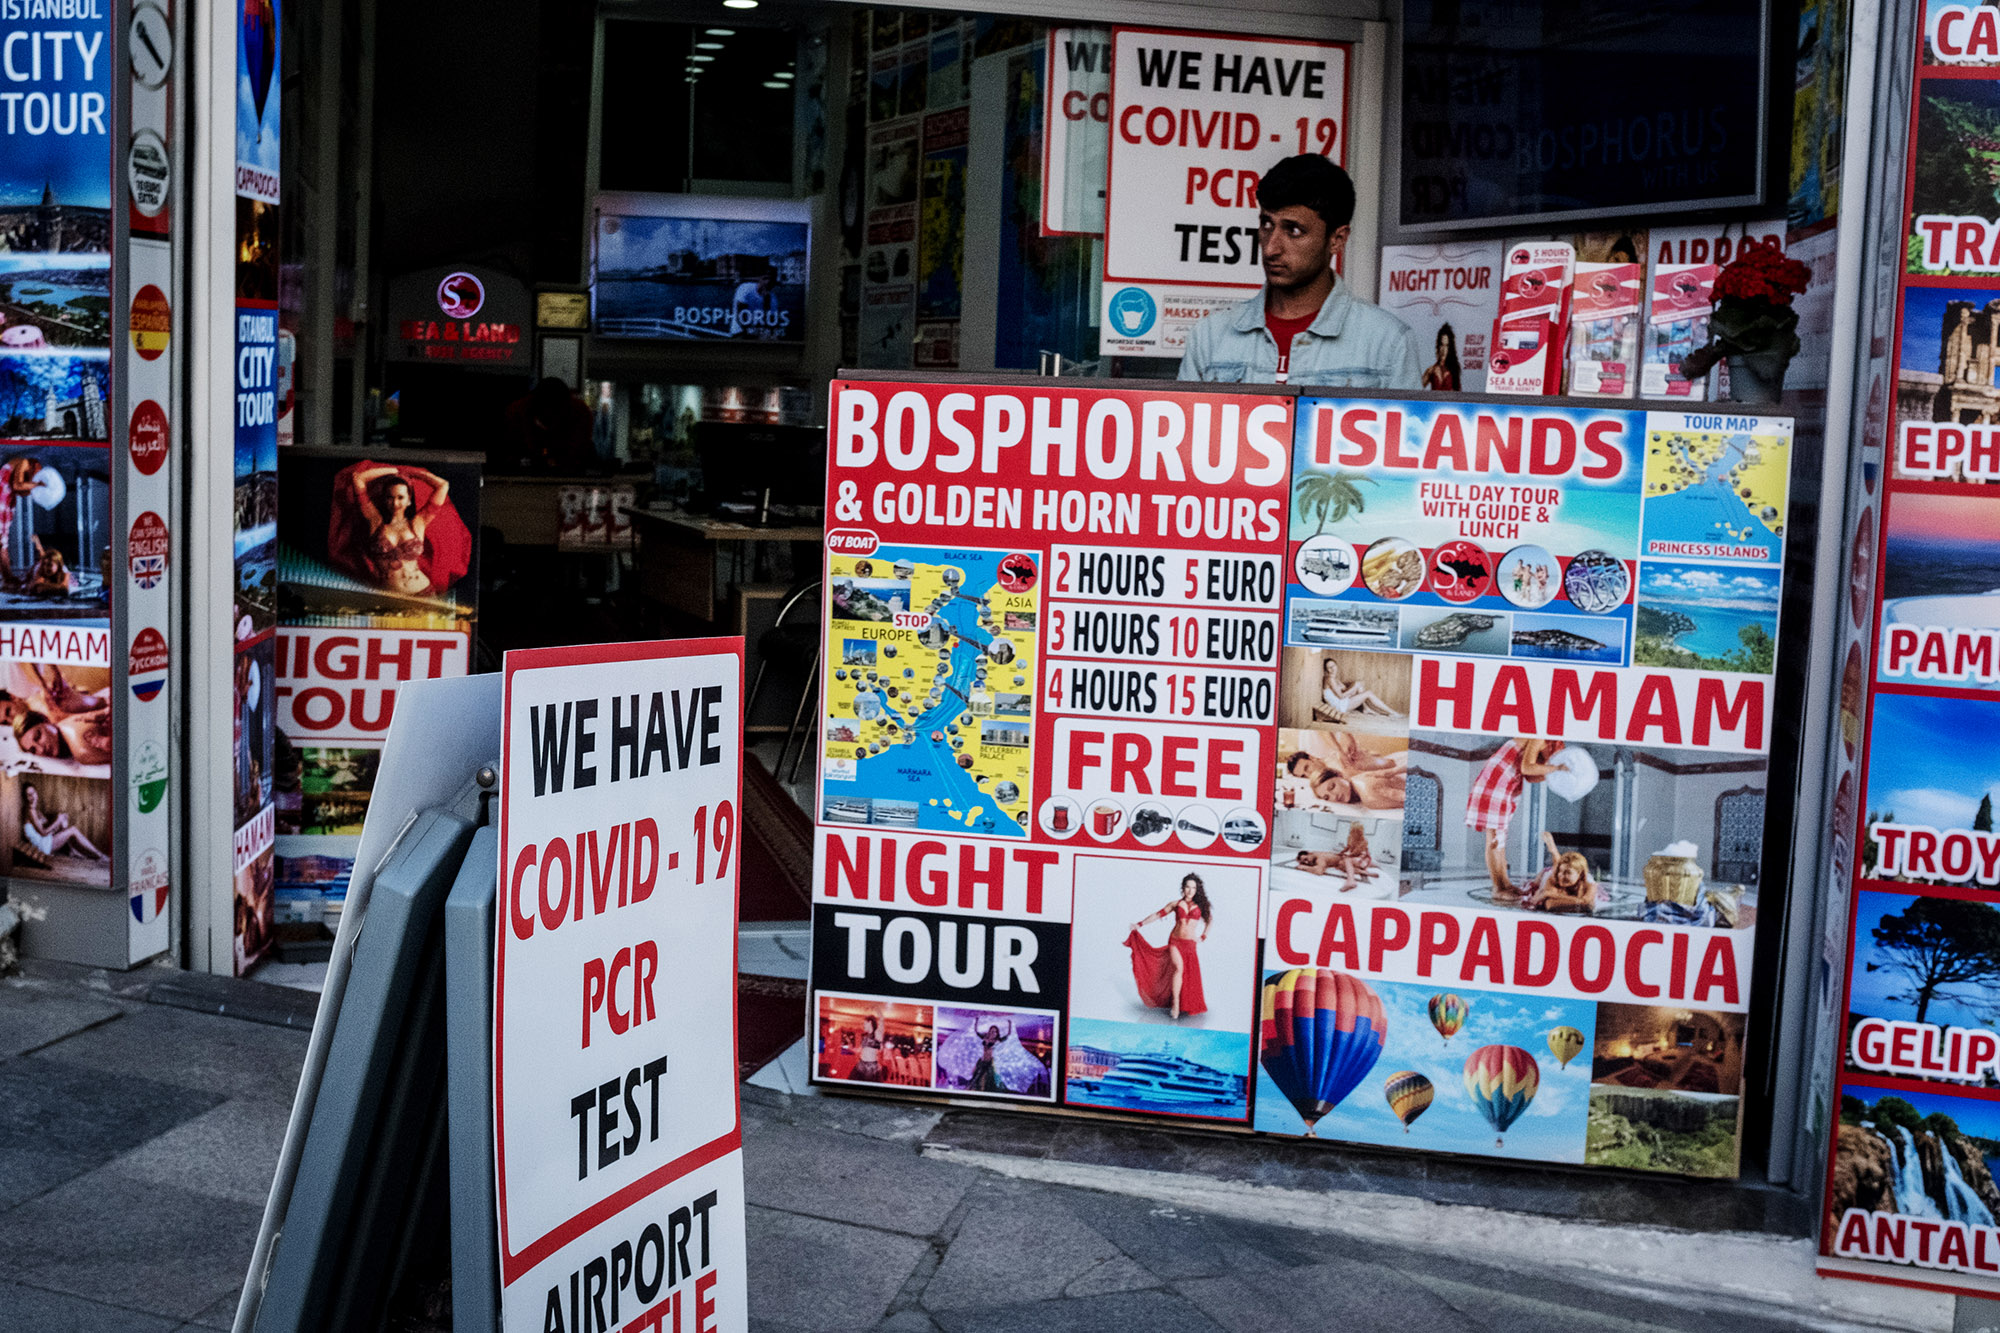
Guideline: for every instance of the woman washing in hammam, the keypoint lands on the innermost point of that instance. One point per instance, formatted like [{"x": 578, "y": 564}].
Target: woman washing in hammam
[
  {"x": 1496, "y": 794},
  {"x": 1565, "y": 884}
]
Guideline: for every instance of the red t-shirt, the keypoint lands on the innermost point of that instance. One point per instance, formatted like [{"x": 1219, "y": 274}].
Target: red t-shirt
[{"x": 1283, "y": 331}]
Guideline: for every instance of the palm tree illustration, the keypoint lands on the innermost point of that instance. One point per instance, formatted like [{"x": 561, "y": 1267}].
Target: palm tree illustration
[{"x": 1330, "y": 496}]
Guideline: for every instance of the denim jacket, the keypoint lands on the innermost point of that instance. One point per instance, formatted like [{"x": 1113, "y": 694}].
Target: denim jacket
[{"x": 1350, "y": 344}]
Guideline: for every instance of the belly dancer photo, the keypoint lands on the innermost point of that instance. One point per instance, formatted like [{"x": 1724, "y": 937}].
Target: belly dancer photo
[{"x": 1169, "y": 975}]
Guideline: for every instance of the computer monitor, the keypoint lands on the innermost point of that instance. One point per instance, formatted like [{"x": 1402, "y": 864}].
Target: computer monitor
[{"x": 746, "y": 466}]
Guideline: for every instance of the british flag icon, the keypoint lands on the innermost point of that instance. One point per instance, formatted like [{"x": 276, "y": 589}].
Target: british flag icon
[{"x": 148, "y": 570}]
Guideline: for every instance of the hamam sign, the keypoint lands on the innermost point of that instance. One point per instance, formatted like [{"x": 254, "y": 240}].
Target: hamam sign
[{"x": 617, "y": 1131}]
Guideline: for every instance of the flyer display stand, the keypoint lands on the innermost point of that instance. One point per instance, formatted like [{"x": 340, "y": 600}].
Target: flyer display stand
[{"x": 1362, "y": 768}]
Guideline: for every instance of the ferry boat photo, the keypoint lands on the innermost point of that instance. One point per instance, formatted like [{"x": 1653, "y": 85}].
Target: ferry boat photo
[{"x": 1153, "y": 1081}]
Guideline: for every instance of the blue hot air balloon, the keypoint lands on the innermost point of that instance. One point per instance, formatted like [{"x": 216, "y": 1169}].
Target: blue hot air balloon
[
  {"x": 260, "y": 50},
  {"x": 1322, "y": 1032}
]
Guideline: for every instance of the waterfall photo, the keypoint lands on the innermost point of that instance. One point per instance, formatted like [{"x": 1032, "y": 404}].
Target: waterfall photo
[{"x": 1916, "y": 1154}]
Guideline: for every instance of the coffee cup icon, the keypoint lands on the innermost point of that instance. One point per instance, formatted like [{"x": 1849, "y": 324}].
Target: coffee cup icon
[{"x": 1104, "y": 820}]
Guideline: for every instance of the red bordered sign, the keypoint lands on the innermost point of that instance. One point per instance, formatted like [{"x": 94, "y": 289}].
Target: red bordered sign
[{"x": 616, "y": 1117}]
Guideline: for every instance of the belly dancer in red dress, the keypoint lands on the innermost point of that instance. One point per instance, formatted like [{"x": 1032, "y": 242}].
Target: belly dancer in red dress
[{"x": 1169, "y": 975}]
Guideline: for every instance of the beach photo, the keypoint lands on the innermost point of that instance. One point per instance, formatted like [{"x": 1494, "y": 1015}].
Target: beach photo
[
  {"x": 1455, "y": 1069},
  {"x": 1941, "y": 561},
  {"x": 1707, "y": 617},
  {"x": 1670, "y": 837}
]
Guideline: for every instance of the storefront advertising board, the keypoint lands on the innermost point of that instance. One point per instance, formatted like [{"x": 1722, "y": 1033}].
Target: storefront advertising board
[
  {"x": 1528, "y": 690},
  {"x": 617, "y": 1127},
  {"x": 1051, "y": 666},
  {"x": 1911, "y": 1196},
  {"x": 1058, "y": 687},
  {"x": 1196, "y": 120}
]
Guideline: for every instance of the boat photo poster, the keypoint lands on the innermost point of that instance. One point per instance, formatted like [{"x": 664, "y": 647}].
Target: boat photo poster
[{"x": 1177, "y": 763}]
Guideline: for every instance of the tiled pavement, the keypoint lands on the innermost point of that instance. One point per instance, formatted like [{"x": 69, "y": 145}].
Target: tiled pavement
[{"x": 137, "y": 1140}]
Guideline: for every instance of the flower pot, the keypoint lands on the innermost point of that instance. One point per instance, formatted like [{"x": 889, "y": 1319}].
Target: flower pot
[{"x": 1757, "y": 377}]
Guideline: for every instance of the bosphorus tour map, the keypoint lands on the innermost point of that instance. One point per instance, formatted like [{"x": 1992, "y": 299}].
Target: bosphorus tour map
[
  {"x": 1717, "y": 494},
  {"x": 930, "y": 662}
]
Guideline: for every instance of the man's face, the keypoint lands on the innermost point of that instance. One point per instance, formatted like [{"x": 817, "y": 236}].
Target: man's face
[{"x": 1296, "y": 245}]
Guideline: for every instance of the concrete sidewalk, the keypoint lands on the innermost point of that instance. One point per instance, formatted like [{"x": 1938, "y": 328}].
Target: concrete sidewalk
[{"x": 137, "y": 1137}]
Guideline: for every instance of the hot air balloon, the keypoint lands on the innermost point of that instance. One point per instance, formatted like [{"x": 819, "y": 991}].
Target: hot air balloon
[
  {"x": 1502, "y": 1081},
  {"x": 1409, "y": 1095},
  {"x": 1323, "y": 1031},
  {"x": 1565, "y": 1042},
  {"x": 260, "y": 51},
  {"x": 1448, "y": 1013}
]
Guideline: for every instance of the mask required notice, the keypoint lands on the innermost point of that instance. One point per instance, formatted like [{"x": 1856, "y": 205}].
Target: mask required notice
[{"x": 617, "y": 1128}]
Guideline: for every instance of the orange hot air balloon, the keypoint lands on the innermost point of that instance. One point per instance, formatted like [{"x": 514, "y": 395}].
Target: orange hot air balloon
[
  {"x": 1565, "y": 1042},
  {"x": 1448, "y": 1013},
  {"x": 1409, "y": 1095},
  {"x": 1502, "y": 1081}
]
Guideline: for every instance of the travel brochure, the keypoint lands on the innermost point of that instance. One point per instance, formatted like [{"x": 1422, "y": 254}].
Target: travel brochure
[{"x": 1431, "y": 735}]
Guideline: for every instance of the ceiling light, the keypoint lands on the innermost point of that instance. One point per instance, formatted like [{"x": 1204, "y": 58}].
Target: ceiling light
[
  {"x": 773, "y": 83},
  {"x": 739, "y": 4},
  {"x": 708, "y": 46},
  {"x": 701, "y": 59},
  {"x": 783, "y": 74},
  {"x": 718, "y": 32}
]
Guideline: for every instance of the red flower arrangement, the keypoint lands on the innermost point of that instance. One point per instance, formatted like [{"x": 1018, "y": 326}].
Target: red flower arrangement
[
  {"x": 1753, "y": 324},
  {"x": 1762, "y": 273}
]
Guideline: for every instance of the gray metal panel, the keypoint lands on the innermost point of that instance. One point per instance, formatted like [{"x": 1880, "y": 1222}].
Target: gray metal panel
[
  {"x": 350, "y": 1145},
  {"x": 468, "y": 1016}
]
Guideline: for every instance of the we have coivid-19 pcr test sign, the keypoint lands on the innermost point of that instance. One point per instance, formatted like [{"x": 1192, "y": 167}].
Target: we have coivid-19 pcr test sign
[{"x": 617, "y": 1130}]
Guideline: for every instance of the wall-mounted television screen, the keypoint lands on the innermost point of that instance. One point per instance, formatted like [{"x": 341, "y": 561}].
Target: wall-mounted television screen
[
  {"x": 699, "y": 278},
  {"x": 1572, "y": 109}
]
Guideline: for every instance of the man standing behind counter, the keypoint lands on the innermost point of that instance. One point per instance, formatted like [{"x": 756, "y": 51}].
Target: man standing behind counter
[{"x": 1305, "y": 327}]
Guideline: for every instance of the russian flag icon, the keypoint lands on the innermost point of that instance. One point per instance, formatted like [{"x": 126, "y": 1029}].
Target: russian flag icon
[{"x": 147, "y": 690}]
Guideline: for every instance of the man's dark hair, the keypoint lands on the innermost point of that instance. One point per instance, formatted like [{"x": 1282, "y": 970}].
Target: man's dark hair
[{"x": 1311, "y": 180}]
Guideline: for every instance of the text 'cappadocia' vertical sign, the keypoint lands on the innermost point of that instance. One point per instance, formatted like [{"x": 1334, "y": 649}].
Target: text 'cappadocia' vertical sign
[
  {"x": 617, "y": 1129},
  {"x": 1051, "y": 654},
  {"x": 1196, "y": 120}
]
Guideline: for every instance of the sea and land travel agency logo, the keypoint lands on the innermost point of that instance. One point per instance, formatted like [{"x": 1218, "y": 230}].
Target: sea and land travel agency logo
[
  {"x": 461, "y": 296},
  {"x": 1133, "y": 312}
]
